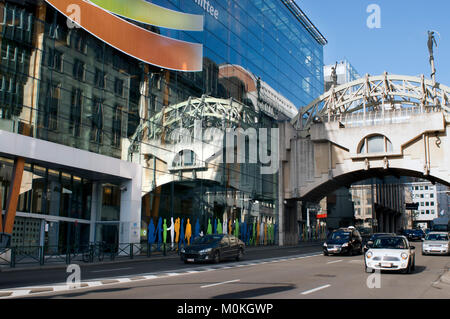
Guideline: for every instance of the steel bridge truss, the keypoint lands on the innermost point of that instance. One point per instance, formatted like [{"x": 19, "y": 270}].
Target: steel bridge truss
[
  {"x": 213, "y": 112},
  {"x": 375, "y": 94}
]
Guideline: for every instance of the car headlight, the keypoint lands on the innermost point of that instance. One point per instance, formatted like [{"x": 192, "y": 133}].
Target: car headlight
[
  {"x": 404, "y": 256},
  {"x": 369, "y": 254},
  {"x": 344, "y": 244},
  {"x": 205, "y": 251},
  {"x": 325, "y": 245}
]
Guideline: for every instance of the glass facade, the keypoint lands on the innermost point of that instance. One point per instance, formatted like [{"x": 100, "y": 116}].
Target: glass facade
[{"x": 62, "y": 85}]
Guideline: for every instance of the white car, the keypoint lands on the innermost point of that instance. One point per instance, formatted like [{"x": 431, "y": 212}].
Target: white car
[
  {"x": 436, "y": 243},
  {"x": 390, "y": 252}
]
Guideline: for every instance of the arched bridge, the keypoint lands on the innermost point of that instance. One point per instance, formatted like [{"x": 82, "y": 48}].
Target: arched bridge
[{"x": 374, "y": 126}]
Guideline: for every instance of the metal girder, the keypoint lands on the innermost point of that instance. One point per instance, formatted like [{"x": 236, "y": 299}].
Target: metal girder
[
  {"x": 213, "y": 112},
  {"x": 375, "y": 94}
]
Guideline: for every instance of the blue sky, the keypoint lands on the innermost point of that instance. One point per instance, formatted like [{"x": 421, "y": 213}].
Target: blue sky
[{"x": 398, "y": 47}]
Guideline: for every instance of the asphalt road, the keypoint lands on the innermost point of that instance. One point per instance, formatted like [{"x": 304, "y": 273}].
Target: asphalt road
[
  {"x": 47, "y": 276},
  {"x": 298, "y": 276}
]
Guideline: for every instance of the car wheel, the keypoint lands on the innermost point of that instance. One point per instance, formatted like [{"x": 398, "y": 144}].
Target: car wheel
[
  {"x": 369, "y": 270},
  {"x": 413, "y": 267},
  {"x": 239, "y": 255},
  {"x": 407, "y": 270},
  {"x": 216, "y": 257}
]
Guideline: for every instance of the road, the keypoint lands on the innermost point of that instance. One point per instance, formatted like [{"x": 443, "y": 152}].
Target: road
[{"x": 296, "y": 276}]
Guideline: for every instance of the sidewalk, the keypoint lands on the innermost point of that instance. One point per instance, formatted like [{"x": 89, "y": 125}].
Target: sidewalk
[{"x": 155, "y": 256}]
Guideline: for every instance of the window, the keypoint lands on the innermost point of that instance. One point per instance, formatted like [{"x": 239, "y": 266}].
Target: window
[
  {"x": 78, "y": 70},
  {"x": 100, "y": 79},
  {"x": 75, "y": 112},
  {"x": 54, "y": 59},
  {"x": 117, "y": 126},
  {"x": 184, "y": 158},
  {"x": 118, "y": 87},
  {"x": 97, "y": 121},
  {"x": 79, "y": 41},
  {"x": 376, "y": 144},
  {"x": 51, "y": 106}
]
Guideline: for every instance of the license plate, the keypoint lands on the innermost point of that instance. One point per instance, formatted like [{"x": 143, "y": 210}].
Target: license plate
[
  {"x": 190, "y": 260},
  {"x": 387, "y": 265}
]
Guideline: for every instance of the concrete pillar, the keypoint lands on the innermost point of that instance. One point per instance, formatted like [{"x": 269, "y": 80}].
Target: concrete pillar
[
  {"x": 96, "y": 206},
  {"x": 130, "y": 210},
  {"x": 281, "y": 205}
]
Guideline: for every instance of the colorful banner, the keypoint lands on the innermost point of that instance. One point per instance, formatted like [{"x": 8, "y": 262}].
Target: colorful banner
[
  {"x": 131, "y": 39},
  {"x": 149, "y": 13}
]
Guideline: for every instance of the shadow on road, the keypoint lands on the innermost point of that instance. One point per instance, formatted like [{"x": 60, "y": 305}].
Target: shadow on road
[{"x": 257, "y": 292}]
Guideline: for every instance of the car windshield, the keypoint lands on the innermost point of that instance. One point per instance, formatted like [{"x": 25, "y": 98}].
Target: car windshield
[
  {"x": 440, "y": 227},
  {"x": 375, "y": 236},
  {"x": 437, "y": 237},
  {"x": 208, "y": 239},
  {"x": 389, "y": 243},
  {"x": 339, "y": 236}
]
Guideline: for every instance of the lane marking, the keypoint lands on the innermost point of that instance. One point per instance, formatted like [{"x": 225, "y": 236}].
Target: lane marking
[
  {"x": 220, "y": 283},
  {"x": 334, "y": 261},
  {"x": 107, "y": 270},
  {"x": 307, "y": 292}
]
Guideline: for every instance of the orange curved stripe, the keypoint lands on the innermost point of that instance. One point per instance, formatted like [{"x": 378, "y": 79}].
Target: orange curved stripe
[{"x": 135, "y": 41}]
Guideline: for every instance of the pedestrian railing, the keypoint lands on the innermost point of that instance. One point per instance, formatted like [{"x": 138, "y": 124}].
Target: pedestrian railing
[{"x": 88, "y": 253}]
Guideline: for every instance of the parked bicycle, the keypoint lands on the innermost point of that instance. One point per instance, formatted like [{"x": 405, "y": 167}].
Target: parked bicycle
[{"x": 95, "y": 251}]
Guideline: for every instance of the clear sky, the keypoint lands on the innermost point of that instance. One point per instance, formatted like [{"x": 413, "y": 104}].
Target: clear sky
[{"x": 398, "y": 47}]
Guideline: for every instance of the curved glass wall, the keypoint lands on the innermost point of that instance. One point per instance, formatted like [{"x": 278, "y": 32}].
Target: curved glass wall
[{"x": 61, "y": 84}]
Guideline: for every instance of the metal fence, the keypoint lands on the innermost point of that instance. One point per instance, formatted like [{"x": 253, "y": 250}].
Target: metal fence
[{"x": 93, "y": 252}]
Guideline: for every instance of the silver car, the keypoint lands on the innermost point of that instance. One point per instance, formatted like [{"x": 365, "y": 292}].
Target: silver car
[{"x": 436, "y": 243}]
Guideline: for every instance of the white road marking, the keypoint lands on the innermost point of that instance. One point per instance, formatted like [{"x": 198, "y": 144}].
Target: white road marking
[
  {"x": 220, "y": 283},
  {"x": 315, "y": 289},
  {"x": 334, "y": 261},
  {"x": 107, "y": 270}
]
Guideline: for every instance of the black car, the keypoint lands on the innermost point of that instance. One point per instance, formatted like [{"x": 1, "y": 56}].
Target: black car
[
  {"x": 213, "y": 248},
  {"x": 414, "y": 234},
  {"x": 343, "y": 241},
  {"x": 372, "y": 238}
]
